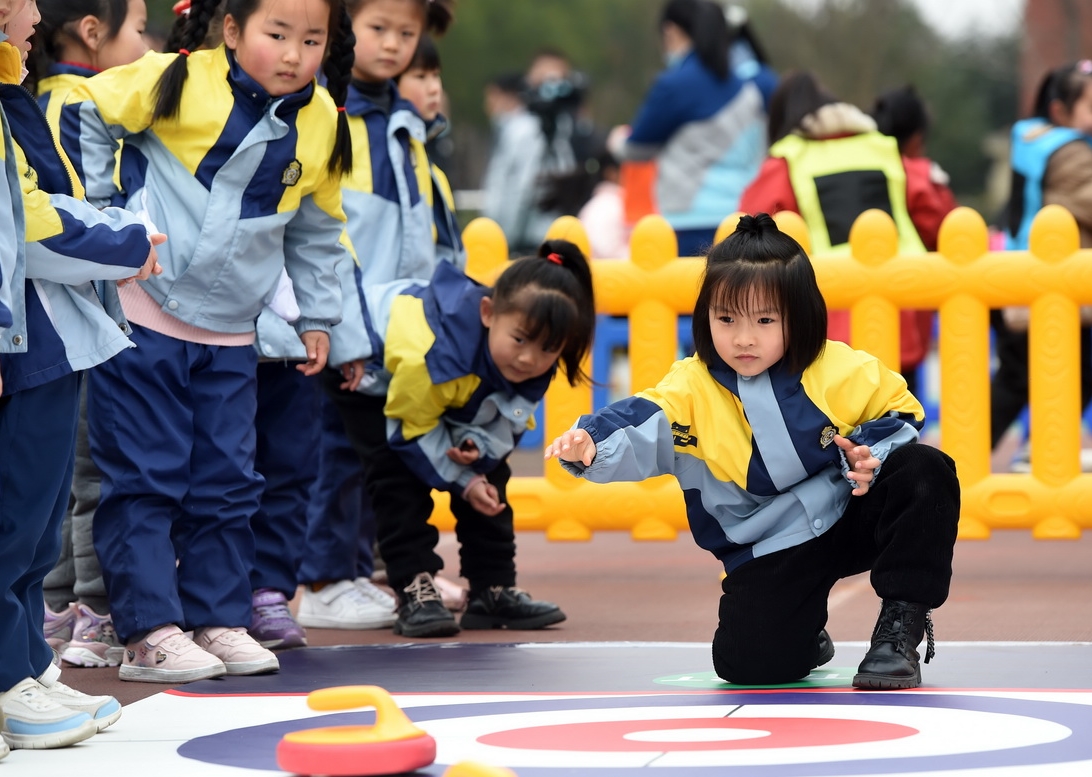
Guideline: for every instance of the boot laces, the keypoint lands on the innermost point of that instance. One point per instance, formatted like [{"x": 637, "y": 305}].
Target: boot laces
[
  {"x": 893, "y": 628},
  {"x": 422, "y": 589}
]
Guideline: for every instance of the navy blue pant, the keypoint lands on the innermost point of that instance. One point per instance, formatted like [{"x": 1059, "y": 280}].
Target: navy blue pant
[
  {"x": 287, "y": 459},
  {"x": 172, "y": 430},
  {"x": 340, "y": 523},
  {"x": 37, "y": 444}
]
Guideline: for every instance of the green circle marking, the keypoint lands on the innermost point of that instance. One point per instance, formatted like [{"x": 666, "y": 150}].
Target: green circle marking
[{"x": 823, "y": 677}]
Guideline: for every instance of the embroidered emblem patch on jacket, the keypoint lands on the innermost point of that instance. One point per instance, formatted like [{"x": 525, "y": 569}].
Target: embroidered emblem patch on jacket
[
  {"x": 827, "y": 436},
  {"x": 681, "y": 435},
  {"x": 292, "y": 173}
]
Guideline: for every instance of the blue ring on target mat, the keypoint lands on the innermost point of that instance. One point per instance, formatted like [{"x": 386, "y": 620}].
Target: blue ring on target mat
[{"x": 255, "y": 747}]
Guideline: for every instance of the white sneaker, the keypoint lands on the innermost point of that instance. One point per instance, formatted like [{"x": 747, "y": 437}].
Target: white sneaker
[
  {"x": 4, "y": 749},
  {"x": 343, "y": 605},
  {"x": 104, "y": 710},
  {"x": 33, "y": 721},
  {"x": 239, "y": 651},
  {"x": 375, "y": 593},
  {"x": 167, "y": 655}
]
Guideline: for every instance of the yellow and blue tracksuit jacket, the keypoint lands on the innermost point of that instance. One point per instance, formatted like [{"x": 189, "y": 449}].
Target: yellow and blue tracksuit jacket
[
  {"x": 386, "y": 199},
  {"x": 431, "y": 357},
  {"x": 1034, "y": 141},
  {"x": 70, "y": 323},
  {"x": 755, "y": 457},
  {"x": 238, "y": 181},
  {"x": 12, "y": 230},
  {"x": 53, "y": 90},
  {"x": 449, "y": 243}
]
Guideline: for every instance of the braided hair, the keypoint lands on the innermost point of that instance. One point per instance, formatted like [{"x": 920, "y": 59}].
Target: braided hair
[{"x": 190, "y": 34}]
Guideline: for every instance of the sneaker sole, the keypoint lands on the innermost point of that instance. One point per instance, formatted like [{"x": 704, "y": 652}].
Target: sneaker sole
[
  {"x": 331, "y": 623},
  {"x": 149, "y": 674},
  {"x": 282, "y": 644},
  {"x": 106, "y": 721},
  {"x": 435, "y": 629},
  {"x": 880, "y": 682},
  {"x": 252, "y": 667},
  {"x": 52, "y": 740},
  {"x": 473, "y": 622},
  {"x": 81, "y": 656}
]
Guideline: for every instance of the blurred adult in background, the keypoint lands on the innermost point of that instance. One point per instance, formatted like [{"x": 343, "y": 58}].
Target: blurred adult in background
[
  {"x": 543, "y": 139},
  {"x": 703, "y": 120},
  {"x": 829, "y": 163}
]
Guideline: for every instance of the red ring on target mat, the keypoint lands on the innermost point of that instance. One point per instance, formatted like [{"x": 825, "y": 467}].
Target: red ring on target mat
[{"x": 610, "y": 736}]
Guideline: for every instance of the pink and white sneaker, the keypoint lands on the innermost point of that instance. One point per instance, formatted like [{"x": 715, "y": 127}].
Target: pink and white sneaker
[
  {"x": 93, "y": 642},
  {"x": 239, "y": 651},
  {"x": 58, "y": 626},
  {"x": 167, "y": 655}
]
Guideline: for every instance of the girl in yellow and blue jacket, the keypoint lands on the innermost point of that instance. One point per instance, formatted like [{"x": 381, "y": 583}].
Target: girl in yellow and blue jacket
[
  {"x": 63, "y": 318},
  {"x": 455, "y": 374},
  {"x": 237, "y": 154},
  {"x": 798, "y": 463}
]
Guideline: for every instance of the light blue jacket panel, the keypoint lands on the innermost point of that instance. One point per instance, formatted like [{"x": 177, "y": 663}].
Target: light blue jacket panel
[
  {"x": 276, "y": 338},
  {"x": 1034, "y": 141},
  {"x": 12, "y": 237},
  {"x": 241, "y": 189}
]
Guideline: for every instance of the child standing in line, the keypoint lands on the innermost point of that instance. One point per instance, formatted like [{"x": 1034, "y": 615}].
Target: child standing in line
[
  {"x": 459, "y": 370},
  {"x": 799, "y": 463},
  {"x": 238, "y": 155},
  {"x": 422, "y": 85},
  {"x": 75, "y": 40},
  {"x": 63, "y": 317},
  {"x": 386, "y": 202},
  {"x": 1051, "y": 164}
]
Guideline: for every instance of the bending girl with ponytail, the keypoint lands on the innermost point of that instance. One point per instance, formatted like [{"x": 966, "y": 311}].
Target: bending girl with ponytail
[{"x": 237, "y": 155}]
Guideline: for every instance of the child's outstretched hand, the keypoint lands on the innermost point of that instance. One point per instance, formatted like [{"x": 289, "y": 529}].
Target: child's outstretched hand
[
  {"x": 466, "y": 453},
  {"x": 151, "y": 264},
  {"x": 573, "y": 445},
  {"x": 317, "y": 344},
  {"x": 862, "y": 464},
  {"x": 484, "y": 497}
]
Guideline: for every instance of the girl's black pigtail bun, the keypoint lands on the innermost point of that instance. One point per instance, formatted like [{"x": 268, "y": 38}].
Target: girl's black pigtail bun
[
  {"x": 169, "y": 89},
  {"x": 756, "y": 225},
  {"x": 338, "y": 70},
  {"x": 440, "y": 15}
]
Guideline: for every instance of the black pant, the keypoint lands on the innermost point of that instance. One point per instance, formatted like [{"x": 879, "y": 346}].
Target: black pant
[
  {"x": 903, "y": 529},
  {"x": 403, "y": 504},
  {"x": 1009, "y": 386}
]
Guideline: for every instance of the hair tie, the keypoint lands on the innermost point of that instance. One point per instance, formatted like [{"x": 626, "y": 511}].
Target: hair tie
[
  {"x": 184, "y": 52},
  {"x": 555, "y": 258},
  {"x": 341, "y": 109}
]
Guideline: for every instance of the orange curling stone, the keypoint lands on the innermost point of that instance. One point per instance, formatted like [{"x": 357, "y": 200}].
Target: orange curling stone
[
  {"x": 392, "y": 746},
  {"x": 471, "y": 769}
]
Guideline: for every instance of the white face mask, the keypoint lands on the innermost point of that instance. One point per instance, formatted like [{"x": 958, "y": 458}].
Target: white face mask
[{"x": 23, "y": 73}]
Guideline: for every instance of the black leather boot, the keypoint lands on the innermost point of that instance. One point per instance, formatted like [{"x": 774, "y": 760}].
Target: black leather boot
[
  {"x": 826, "y": 648},
  {"x": 421, "y": 613},
  {"x": 503, "y": 607},
  {"x": 892, "y": 660}
]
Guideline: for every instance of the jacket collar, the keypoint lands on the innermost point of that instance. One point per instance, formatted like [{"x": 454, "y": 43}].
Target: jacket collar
[{"x": 250, "y": 92}]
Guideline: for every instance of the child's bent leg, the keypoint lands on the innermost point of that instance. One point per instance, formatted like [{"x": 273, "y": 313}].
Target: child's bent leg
[
  {"x": 487, "y": 543},
  {"x": 772, "y": 613},
  {"x": 401, "y": 500}
]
